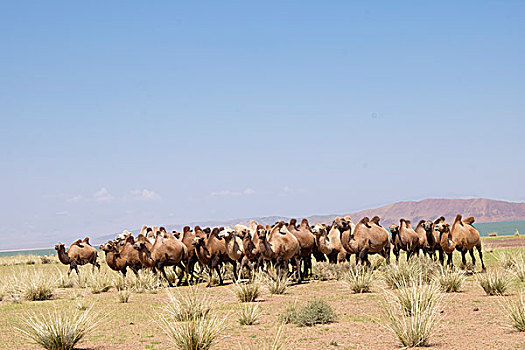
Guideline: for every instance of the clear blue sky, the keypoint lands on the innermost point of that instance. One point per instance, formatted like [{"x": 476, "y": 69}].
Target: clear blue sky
[{"x": 123, "y": 113}]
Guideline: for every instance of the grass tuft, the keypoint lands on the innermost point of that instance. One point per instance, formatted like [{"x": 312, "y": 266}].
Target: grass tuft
[
  {"x": 249, "y": 314},
  {"x": 247, "y": 292},
  {"x": 515, "y": 312},
  {"x": 276, "y": 284},
  {"x": 188, "y": 306},
  {"x": 494, "y": 283},
  {"x": 316, "y": 311},
  {"x": 359, "y": 279},
  {"x": 450, "y": 281},
  {"x": 58, "y": 330}
]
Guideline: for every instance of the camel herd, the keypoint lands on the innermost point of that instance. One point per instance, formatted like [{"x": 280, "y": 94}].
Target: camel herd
[{"x": 282, "y": 245}]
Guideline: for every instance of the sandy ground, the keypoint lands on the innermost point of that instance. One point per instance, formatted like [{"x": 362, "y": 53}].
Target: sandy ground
[{"x": 468, "y": 320}]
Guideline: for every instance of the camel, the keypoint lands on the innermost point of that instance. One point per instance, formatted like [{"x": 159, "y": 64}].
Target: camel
[
  {"x": 279, "y": 245},
  {"x": 234, "y": 247},
  {"x": 423, "y": 230},
  {"x": 165, "y": 251},
  {"x": 186, "y": 238},
  {"x": 120, "y": 256},
  {"x": 462, "y": 236},
  {"x": 328, "y": 241},
  {"x": 306, "y": 241},
  {"x": 211, "y": 252},
  {"x": 368, "y": 237},
  {"x": 250, "y": 251},
  {"x": 79, "y": 253},
  {"x": 404, "y": 238}
]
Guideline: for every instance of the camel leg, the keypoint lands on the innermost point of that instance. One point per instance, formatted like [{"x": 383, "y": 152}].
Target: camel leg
[
  {"x": 385, "y": 253},
  {"x": 450, "y": 263},
  {"x": 163, "y": 272},
  {"x": 217, "y": 268},
  {"x": 298, "y": 269},
  {"x": 395, "y": 250},
  {"x": 69, "y": 271},
  {"x": 363, "y": 257},
  {"x": 235, "y": 273},
  {"x": 478, "y": 247},
  {"x": 471, "y": 252},
  {"x": 441, "y": 257},
  {"x": 210, "y": 272},
  {"x": 124, "y": 270},
  {"x": 183, "y": 271},
  {"x": 463, "y": 259}
]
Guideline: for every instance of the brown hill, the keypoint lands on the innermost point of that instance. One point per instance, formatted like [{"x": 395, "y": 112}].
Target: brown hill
[{"x": 484, "y": 210}]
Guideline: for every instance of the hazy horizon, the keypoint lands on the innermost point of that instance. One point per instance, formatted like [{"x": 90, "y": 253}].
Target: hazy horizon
[{"x": 115, "y": 115}]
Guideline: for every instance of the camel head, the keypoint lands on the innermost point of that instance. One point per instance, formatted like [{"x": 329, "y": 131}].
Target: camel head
[
  {"x": 394, "y": 229},
  {"x": 427, "y": 225},
  {"x": 442, "y": 227},
  {"x": 198, "y": 241},
  {"x": 318, "y": 230},
  {"x": 227, "y": 232},
  {"x": 261, "y": 232},
  {"x": 108, "y": 247},
  {"x": 60, "y": 246},
  {"x": 341, "y": 224}
]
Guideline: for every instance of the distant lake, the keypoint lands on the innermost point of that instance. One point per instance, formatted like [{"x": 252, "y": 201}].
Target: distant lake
[{"x": 38, "y": 252}]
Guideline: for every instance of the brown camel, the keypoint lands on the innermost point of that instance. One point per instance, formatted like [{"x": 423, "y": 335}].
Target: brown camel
[
  {"x": 328, "y": 240},
  {"x": 279, "y": 246},
  {"x": 186, "y": 238},
  {"x": 423, "y": 230},
  {"x": 79, "y": 253},
  {"x": 404, "y": 238},
  {"x": 462, "y": 236},
  {"x": 234, "y": 247},
  {"x": 251, "y": 258},
  {"x": 368, "y": 237},
  {"x": 120, "y": 256},
  {"x": 306, "y": 240},
  {"x": 211, "y": 252},
  {"x": 165, "y": 251}
]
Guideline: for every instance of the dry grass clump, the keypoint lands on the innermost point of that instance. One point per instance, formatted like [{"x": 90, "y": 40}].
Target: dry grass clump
[
  {"x": 188, "y": 306},
  {"x": 145, "y": 282},
  {"x": 123, "y": 295},
  {"x": 249, "y": 314},
  {"x": 100, "y": 282},
  {"x": 413, "y": 313},
  {"x": 58, "y": 330},
  {"x": 276, "y": 283},
  {"x": 316, "y": 311},
  {"x": 32, "y": 286},
  {"x": 187, "y": 321},
  {"x": 450, "y": 281},
  {"x": 515, "y": 312},
  {"x": 63, "y": 280},
  {"x": 275, "y": 343},
  {"x": 416, "y": 271},
  {"x": 494, "y": 283},
  {"x": 247, "y": 292},
  {"x": 359, "y": 279}
]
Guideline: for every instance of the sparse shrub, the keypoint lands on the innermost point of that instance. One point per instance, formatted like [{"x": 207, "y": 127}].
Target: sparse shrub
[
  {"x": 188, "y": 306},
  {"x": 413, "y": 313},
  {"x": 64, "y": 281},
  {"x": 30, "y": 286},
  {"x": 275, "y": 283},
  {"x": 145, "y": 282},
  {"x": 316, "y": 311},
  {"x": 249, "y": 314},
  {"x": 359, "y": 279},
  {"x": 58, "y": 330},
  {"x": 100, "y": 282},
  {"x": 417, "y": 270},
  {"x": 450, "y": 281},
  {"x": 494, "y": 283},
  {"x": 123, "y": 295},
  {"x": 324, "y": 271},
  {"x": 197, "y": 334},
  {"x": 515, "y": 312},
  {"x": 415, "y": 297},
  {"x": 247, "y": 292}
]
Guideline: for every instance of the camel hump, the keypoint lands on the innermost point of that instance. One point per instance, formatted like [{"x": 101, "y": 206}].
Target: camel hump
[
  {"x": 78, "y": 242},
  {"x": 162, "y": 229},
  {"x": 304, "y": 222},
  {"x": 440, "y": 219},
  {"x": 469, "y": 221},
  {"x": 421, "y": 222},
  {"x": 375, "y": 220},
  {"x": 364, "y": 221},
  {"x": 458, "y": 219},
  {"x": 86, "y": 240}
]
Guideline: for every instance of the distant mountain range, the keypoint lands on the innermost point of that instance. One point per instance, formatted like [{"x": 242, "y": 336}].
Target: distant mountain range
[{"x": 484, "y": 210}]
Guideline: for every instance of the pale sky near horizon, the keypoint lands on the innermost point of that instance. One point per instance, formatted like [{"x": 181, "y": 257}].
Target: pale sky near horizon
[{"x": 118, "y": 114}]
